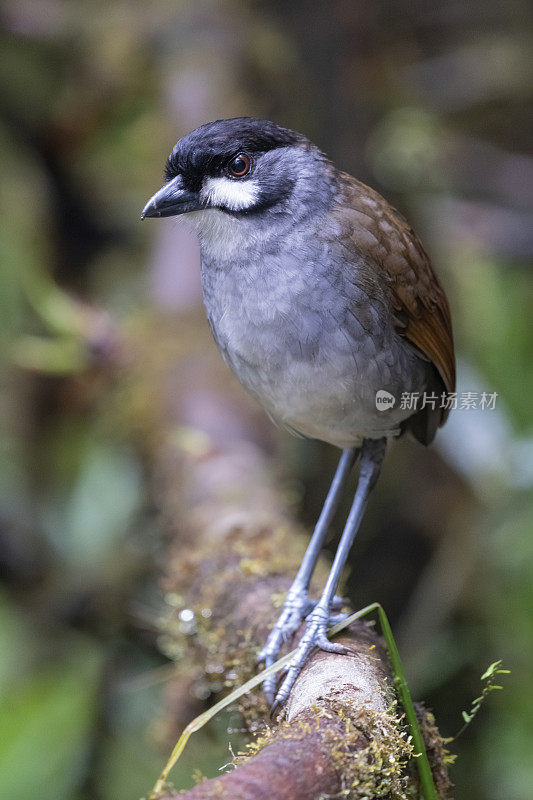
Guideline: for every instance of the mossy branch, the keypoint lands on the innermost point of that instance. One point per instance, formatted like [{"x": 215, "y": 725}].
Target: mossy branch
[{"x": 343, "y": 736}]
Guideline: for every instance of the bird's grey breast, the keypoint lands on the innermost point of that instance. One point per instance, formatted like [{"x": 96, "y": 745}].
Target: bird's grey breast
[
  {"x": 263, "y": 295},
  {"x": 305, "y": 333}
]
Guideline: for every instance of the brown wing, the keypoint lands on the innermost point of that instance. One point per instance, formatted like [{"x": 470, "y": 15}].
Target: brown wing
[{"x": 421, "y": 307}]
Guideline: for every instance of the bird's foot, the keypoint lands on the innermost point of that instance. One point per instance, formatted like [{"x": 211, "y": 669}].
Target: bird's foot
[
  {"x": 296, "y": 608},
  {"x": 314, "y": 636}
]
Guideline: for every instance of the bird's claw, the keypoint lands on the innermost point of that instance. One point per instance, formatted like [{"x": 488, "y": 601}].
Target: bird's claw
[
  {"x": 314, "y": 636},
  {"x": 297, "y": 608},
  {"x": 294, "y": 611}
]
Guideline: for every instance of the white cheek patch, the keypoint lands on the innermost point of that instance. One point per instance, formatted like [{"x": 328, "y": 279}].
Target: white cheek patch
[{"x": 233, "y": 195}]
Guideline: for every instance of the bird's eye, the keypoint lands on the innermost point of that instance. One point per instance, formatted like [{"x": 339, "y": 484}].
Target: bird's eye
[{"x": 239, "y": 166}]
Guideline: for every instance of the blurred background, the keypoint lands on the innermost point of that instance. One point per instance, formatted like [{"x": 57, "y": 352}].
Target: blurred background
[{"x": 431, "y": 103}]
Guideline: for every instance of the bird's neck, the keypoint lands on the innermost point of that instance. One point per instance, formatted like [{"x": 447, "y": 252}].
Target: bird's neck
[
  {"x": 228, "y": 237},
  {"x": 227, "y": 241},
  {"x": 225, "y": 238}
]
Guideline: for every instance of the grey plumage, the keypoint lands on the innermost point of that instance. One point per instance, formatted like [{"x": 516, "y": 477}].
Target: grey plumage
[
  {"x": 312, "y": 341},
  {"x": 296, "y": 317}
]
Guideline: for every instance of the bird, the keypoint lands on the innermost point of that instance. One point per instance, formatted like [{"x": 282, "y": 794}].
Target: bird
[{"x": 325, "y": 305}]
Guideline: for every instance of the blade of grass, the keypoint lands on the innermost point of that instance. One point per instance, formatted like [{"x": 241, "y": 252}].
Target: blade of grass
[{"x": 424, "y": 770}]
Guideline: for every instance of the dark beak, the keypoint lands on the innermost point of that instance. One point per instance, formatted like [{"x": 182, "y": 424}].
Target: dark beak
[{"x": 172, "y": 199}]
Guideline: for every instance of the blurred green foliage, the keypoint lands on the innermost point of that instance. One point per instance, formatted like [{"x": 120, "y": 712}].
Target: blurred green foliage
[
  {"x": 46, "y": 726},
  {"x": 427, "y": 101}
]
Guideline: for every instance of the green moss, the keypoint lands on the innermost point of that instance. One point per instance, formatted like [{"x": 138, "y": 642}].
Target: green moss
[{"x": 371, "y": 750}]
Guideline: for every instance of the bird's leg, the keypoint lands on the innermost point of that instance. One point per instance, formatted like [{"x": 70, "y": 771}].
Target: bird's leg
[
  {"x": 372, "y": 453},
  {"x": 297, "y": 604}
]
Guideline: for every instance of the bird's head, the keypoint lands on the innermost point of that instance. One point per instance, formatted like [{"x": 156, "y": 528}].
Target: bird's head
[{"x": 243, "y": 167}]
